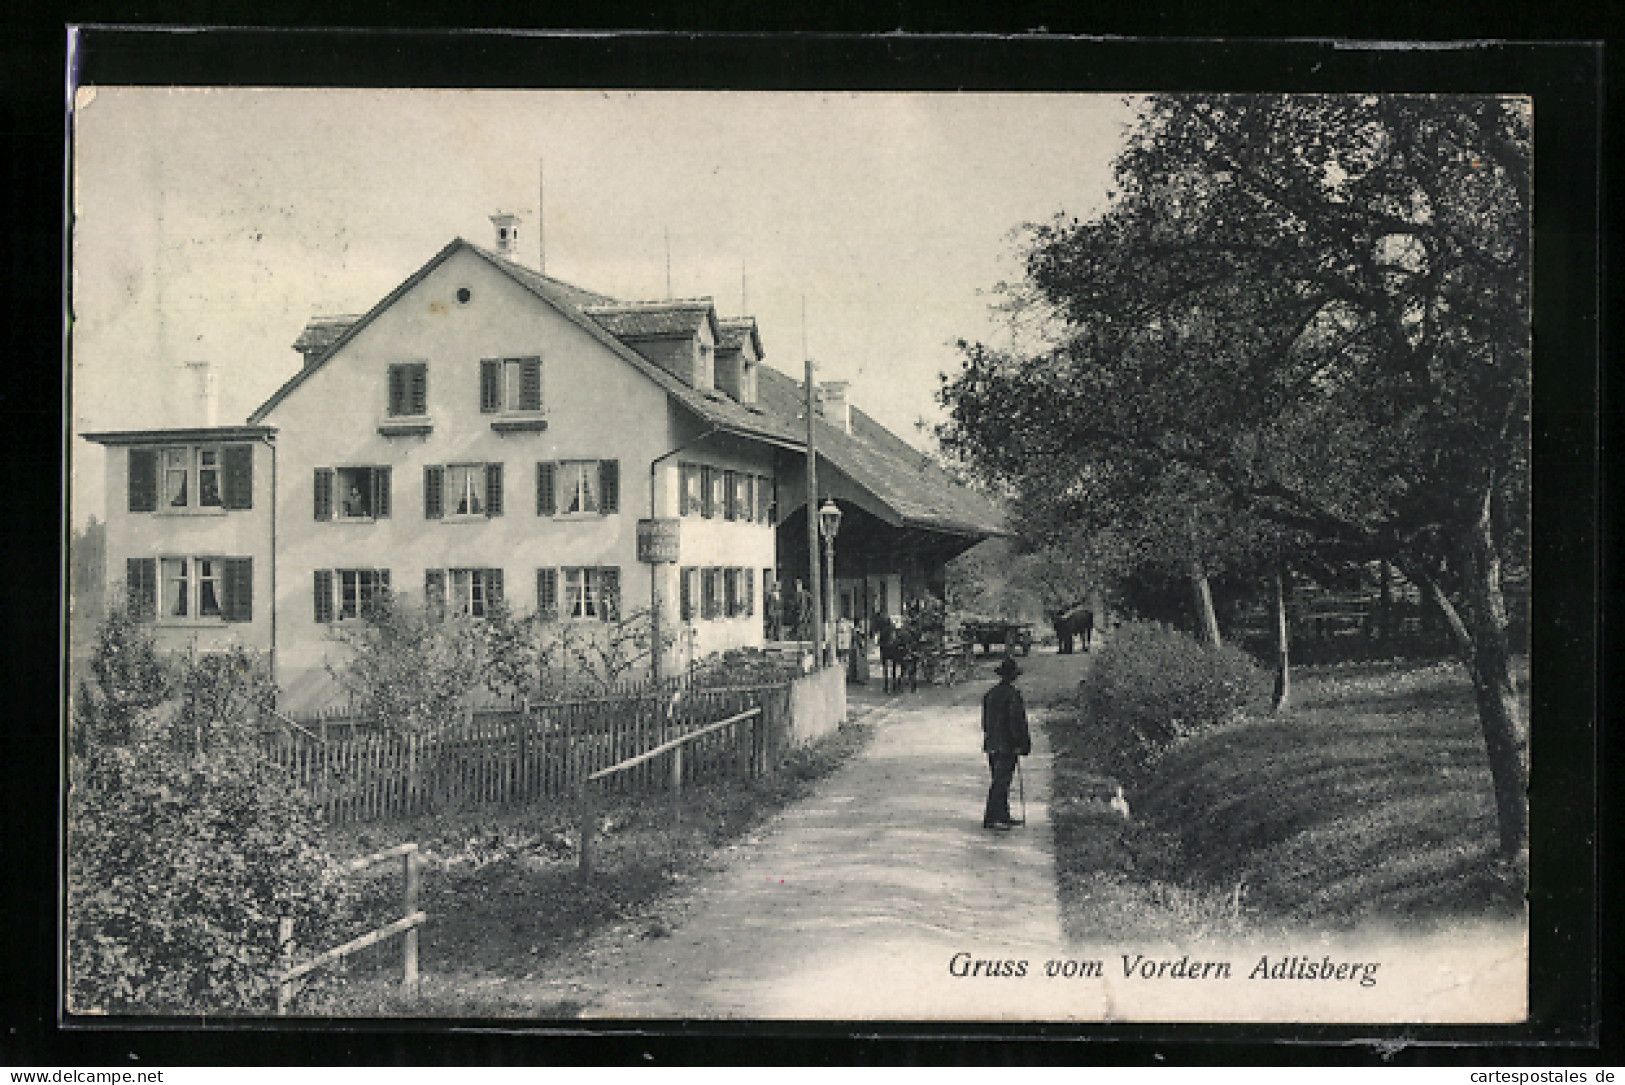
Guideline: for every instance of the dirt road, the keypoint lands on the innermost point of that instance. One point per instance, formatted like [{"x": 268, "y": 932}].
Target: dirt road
[{"x": 854, "y": 903}]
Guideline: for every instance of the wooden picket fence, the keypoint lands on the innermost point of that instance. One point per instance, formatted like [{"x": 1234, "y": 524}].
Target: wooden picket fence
[{"x": 511, "y": 758}]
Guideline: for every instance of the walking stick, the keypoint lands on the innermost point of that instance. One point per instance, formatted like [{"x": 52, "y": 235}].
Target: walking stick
[{"x": 1021, "y": 787}]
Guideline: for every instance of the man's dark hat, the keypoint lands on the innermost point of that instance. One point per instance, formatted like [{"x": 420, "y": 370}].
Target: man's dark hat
[{"x": 1007, "y": 669}]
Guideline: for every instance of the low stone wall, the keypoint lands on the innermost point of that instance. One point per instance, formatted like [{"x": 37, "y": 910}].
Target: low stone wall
[{"x": 817, "y": 704}]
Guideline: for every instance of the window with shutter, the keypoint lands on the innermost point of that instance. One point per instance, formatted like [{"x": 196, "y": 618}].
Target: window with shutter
[
  {"x": 143, "y": 479},
  {"x": 707, "y": 493},
  {"x": 237, "y": 589},
  {"x": 409, "y": 389},
  {"x": 141, "y": 587},
  {"x": 547, "y": 594},
  {"x": 493, "y": 489},
  {"x": 433, "y": 498},
  {"x": 610, "y": 593},
  {"x": 418, "y": 389},
  {"x": 747, "y": 587},
  {"x": 547, "y": 502},
  {"x": 609, "y": 486},
  {"x": 324, "y": 596},
  {"x": 685, "y": 589},
  {"x": 710, "y": 595},
  {"x": 237, "y": 462},
  {"x": 380, "y": 492},
  {"x": 324, "y": 493},
  {"x": 719, "y": 492},
  {"x": 692, "y": 496},
  {"x": 730, "y": 593},
  {"x": 530, "y": 384}
]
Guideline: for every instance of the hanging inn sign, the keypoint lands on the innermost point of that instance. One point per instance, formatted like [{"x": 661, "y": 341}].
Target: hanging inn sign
[{"x": 657, "y": 541}]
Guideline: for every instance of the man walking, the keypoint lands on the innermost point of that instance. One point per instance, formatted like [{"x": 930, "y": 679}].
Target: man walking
[{"x": 1004, "y": 739}]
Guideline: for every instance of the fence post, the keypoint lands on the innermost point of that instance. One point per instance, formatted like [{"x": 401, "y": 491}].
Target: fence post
[
  {"x": 589, "y": 824},
  {"x": 284, "y": 941},
  {"x": 409, "y": 964},
  {"x": 677, "y": 785}
]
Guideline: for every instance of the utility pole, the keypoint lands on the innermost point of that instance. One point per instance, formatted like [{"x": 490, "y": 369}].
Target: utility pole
[
  {"x": 541, "y": 215},
  {"x": 813, "y": 582}
]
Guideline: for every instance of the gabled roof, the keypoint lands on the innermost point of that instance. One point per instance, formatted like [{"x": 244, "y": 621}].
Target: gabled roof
[
  {"x": 902, "y": 479},
  {"x": 183, "y": 435},
  {"x": 323, "y": 331},
  {"x": 900, "y": 476},
  {"x": 735, "y": 332}
]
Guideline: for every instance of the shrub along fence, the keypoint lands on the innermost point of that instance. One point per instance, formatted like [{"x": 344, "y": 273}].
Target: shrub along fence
[{"x": 514, "y": 757}]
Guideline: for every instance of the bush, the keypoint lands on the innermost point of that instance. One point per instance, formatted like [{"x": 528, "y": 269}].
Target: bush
[
  {"x": 185, "y": 844},
  {"x": 1153, "y": 686}
]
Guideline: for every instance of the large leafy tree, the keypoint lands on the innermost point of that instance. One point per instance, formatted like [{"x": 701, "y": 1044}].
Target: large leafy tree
[{"x": 1314, "y": 311}]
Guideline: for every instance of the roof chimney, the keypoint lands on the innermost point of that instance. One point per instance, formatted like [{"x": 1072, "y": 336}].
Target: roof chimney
[
  {"x": 205, "y": 403},
  {"x": 833, "y": 405},
  {"x": 507, "y": 227}
]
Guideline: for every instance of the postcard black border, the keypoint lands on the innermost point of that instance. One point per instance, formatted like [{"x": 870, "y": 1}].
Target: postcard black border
[{"x": 1565, "y": 81}]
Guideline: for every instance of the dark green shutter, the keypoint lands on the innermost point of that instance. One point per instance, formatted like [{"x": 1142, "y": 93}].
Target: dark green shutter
[
  {"x": 490, "y": 385},
  {"x": 324, "y": 596},
  {"x": 397, "y": 389},
  {"x": 707, "y": 506},
  {"x": 380, "y": 493},
  {"x": 434, "y": 591},
  {"x": 530, "y": 384},
  {"x": 433, "y": 477},
  {"x": 685, "y": 586},
  {"x": 141, "y": 587},
  {"x": 143, "y": 479},
  {"x": 493, "y": 489},
  {"x": 547, "y": 501},
  {"x": 237, "y": 465},
  {"x": 324, "y": 493},
  {"x": 493, "y": 590},
  {"x": 747, "y": 585},
  {"x": 730, "y": 593},
  {"x": 609, "y": 486},
  {"x": 547, "y": 593},
  {"x": 237, "y": 588},
  {"x": 419, "y": 388},
  {"x": 730, "y": 507},
  {"x": 609, "y": 588}
]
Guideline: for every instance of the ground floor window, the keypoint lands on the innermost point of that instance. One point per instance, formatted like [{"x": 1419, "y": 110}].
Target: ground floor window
[
  {"x": 592, "y": 593},
  {"x": 348, "y": 593},
  {"x": 712, "y": 594},
  {"x": 474, "y": 593},
  {"x": 190, "y": 588}
]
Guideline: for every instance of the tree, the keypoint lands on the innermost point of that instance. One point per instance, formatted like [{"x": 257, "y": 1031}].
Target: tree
[{"x": 1314, "y": 311}]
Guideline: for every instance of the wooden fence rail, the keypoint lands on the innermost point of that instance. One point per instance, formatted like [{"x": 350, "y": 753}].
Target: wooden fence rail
[
  {"x": 517, "y": 757},
  {"x": 408, "y": 925}
]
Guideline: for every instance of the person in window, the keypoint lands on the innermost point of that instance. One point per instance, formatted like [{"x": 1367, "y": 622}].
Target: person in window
[
  {"x": 355, "y": 504},
  {"x": 1005, "y": 740},
  {"x": 773, "y": 611}
]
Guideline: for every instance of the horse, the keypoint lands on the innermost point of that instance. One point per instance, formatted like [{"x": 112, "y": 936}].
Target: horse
[
  {"x": 899, "y": 656},
  {"x": 1077, "y": 622}
]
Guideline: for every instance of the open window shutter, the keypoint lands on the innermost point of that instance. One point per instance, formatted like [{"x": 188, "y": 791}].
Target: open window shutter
[
  {"x": 609, "y": 486},
  {"x": 530, "y": 384},
  {"x": 324, "y": 596},
  {"x": 380, "y": 493},
  {"x": 143, "y": 479},
  {"x": 324, "y": 493},
  {"x": 747, "y": 585},
  {"x": 493, "y": 489},
  {"x": 707, "y": 507},
  {"x": 237, "y": 587},
  {"x": 493, "y": 589},
  {"x": 547, "y": 501},
  {"x": 419, "y": 389},
  {"x": 547, "y": 593},
  {"x": 433, "y": 477},
  {"x": 141, "y": 586},
  {"x": 685, "y": 585},
  {"x": 708, "y": 594},
  {"x": 683, "y": 471},
  {"x": 397, "y": 389},
  {"x": 730, "y": 593},
  {"x": 610, "y": 579},
  {"x": 238, "y": 464},
  {"x": 490, "y": 385},
  {"x": 730, "y": 509},
  {"x": 434, "y": 591}
]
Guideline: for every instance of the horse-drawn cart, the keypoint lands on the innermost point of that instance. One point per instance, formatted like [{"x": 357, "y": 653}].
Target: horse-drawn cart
[{"x": 1012, "y": 636}]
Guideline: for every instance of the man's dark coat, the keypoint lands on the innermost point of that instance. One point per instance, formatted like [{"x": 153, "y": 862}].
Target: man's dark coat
[{"x": 1004, "y": 721}]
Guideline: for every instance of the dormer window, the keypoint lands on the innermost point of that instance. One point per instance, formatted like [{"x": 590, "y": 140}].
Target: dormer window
[{"x": 705, "y": 376}]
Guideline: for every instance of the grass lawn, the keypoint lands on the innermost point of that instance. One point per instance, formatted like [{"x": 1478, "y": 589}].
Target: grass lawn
[
  {"x": 503, "y": 894},
  {"x": 1368, "y": 803}
]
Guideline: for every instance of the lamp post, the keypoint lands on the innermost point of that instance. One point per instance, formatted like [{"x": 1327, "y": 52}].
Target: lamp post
[{"x": 829, "y": 524}]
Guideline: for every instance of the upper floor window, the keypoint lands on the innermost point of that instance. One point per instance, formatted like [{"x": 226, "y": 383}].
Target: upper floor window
[
  {"x": 510, "y": 384},
  {"x": 578, "y": 487},
  {"x": 462, "y": 490},
  {"x": 188, "y": 588},
  {"x": 409, "y": 389},
  {"x": 352, "y": 493},
  {"x": 179, "y": 478}
]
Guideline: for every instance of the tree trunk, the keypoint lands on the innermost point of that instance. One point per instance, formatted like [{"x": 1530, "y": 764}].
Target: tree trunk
[
  {"x": 1206, "y": 618},
  {"x": 1283, "y": 666},
  {"x": 1488, "y": 659}
]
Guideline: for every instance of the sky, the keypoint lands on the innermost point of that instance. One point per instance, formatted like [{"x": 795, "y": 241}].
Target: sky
[{"x": 211, "y": 224}]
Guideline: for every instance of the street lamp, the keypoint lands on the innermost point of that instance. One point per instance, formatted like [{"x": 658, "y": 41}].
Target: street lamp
[{"x": 829, "y": 524}]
